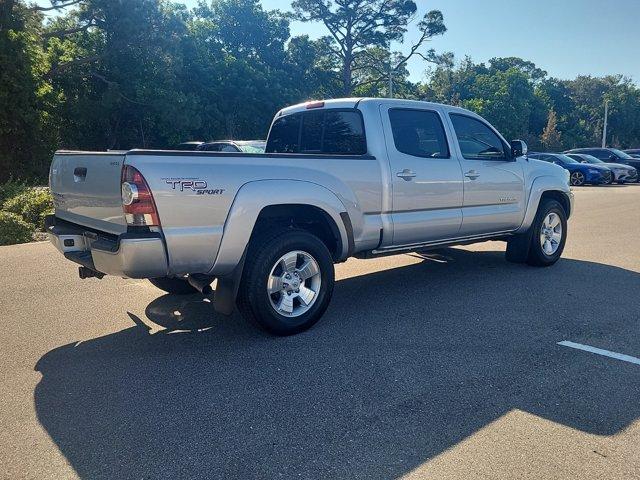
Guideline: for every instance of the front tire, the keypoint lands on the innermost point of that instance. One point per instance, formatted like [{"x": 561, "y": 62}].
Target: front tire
[
  {"x": 549, "y": 234},
  {"x": 174, "y": 285},
  {"x": 287, "y": 281}
]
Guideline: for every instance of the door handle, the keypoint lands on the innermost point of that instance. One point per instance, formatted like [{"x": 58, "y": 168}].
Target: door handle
[
  {"x": 472, "y": 174},
  {"x": 406, "y": 174}
]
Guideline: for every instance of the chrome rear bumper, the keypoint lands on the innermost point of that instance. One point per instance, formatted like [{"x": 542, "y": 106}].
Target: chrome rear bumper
[{"x": 131, "y": 255}]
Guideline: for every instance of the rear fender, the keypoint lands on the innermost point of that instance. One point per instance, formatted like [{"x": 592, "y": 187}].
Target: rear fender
[{"x": 253, "y": 197}]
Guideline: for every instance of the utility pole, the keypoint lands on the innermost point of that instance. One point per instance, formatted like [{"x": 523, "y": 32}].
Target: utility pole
[
  {"x": 604, "y": 129},
  {"x": 390, "y": 79}
]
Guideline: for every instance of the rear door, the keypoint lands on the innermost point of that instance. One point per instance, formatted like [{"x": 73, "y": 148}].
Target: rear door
[
  {"x": 494, "y": 199},
  {"x": 86, "y": 189},
  {"x": 426, "y": 176}
]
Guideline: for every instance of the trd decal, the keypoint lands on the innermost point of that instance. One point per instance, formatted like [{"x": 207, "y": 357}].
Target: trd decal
[{"x": 194, "y": 185}]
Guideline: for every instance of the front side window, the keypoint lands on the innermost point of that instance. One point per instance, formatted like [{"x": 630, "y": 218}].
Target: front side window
[
  {"x": 331, "y": 132},
  {"x": 477, "y": 141},
  {"x": 418, "y": 133}
]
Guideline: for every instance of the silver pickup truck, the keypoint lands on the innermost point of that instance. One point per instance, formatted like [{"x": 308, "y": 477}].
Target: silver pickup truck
[{"x": 340, "y": 178}]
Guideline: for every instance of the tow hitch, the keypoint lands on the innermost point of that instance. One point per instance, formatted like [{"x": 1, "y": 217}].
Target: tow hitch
[{"x": 86, "y": 272}]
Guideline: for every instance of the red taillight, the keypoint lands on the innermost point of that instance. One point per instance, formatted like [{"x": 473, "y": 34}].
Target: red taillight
[{"x": 137, "y": 200}]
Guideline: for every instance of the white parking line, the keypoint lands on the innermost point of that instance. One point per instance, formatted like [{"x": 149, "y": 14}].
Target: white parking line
[{"x": 600, "y": 351}]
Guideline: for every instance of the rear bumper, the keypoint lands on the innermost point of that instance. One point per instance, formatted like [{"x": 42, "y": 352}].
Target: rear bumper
[{"x": 132, "y": 255}]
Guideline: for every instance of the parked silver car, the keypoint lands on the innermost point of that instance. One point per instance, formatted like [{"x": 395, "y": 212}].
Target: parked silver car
[{"x": 621, "y": 173}]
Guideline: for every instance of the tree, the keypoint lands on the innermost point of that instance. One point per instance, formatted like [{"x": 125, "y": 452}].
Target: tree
[
  {"x": 25, "y": 139},
  {"x": 502, "y": 64},
  {"x": 358, "y": 26},
  {"x": 550, "y": 137}
]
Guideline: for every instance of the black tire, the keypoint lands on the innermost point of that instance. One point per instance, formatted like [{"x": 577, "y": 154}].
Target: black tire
[
  {"x": 537, "y": 256},
  {"x": 174, "y": 285},
  {"x": 255, "y": 303}
]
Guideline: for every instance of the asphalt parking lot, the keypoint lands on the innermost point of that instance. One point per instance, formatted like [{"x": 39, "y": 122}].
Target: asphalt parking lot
[{"x": 438, "y": 366}]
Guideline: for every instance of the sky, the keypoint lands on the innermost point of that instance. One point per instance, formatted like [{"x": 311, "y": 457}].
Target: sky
[{"x": 564, "y": 37}]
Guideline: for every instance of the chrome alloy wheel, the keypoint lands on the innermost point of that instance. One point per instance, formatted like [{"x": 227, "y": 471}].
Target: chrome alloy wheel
[
  {"x": 551, "y": 233},
  {"x": 294, "y": 283},
  {"x": 577, "y": 178}
]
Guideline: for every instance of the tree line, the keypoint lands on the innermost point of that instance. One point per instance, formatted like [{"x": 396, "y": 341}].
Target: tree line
[{"x": 120, "y": 74}]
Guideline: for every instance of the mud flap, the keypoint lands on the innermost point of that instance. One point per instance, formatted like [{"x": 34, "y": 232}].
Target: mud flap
[
  {"x": 518, "y": 247},
  {"x": 224, "y": 299}
]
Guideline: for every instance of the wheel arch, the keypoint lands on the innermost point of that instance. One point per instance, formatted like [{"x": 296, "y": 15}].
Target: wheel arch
[
  {"x": 262, "y": 203},
  {"x": 560, "y": 197},
  {"x": 546, "y": 187}
]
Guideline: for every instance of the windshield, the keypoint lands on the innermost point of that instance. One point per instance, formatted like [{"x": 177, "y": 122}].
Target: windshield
[
  {"x": 590, "y": 159},
  {"x": 565, "y": 159},
  {"x": 252, "y": 147},
  {"x": 620, "y": 153}
]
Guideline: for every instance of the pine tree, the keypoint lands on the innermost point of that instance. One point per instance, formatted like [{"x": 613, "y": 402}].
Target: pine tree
[{"x": 551, "y": 138}]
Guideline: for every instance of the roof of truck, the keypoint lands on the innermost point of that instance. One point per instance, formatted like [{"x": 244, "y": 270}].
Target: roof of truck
[{"x": 355, "y": 101}]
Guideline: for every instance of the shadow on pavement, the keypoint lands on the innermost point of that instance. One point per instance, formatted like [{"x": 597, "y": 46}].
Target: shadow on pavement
[{"x": 406, "y": 363}]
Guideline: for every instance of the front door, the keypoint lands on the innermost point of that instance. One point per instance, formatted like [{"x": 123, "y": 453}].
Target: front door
[
  {"x": 494, "y": 197},
  {"x": 426, "y": 176}
]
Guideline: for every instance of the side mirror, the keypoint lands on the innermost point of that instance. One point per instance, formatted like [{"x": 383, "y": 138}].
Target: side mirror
[
  {"x": 613, "y": 157},
  {"x": 519, "y": 148}
]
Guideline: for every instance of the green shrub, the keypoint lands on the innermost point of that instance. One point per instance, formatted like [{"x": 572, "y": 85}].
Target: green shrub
[
  {"x": 11, "y": 188},
  {"x": 13, "y": 229},
  {"x": 32, "y": 205}
]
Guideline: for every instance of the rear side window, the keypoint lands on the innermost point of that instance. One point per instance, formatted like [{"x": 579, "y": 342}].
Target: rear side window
[
  {"x": 477, "y": 141},
  {"x": 209, "y": 147},
  {"x": 418, "y": 133},
  {"x": 335, "y": 132},
  {"x": 285, "y": 135}
]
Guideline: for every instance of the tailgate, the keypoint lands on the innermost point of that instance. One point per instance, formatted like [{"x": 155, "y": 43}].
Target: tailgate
[{"x": 86, "y": 189}]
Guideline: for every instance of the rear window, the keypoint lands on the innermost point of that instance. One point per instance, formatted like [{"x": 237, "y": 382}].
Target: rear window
[
  {"x": 285, "y": 135},
  {"x": 335, "y": 132}
]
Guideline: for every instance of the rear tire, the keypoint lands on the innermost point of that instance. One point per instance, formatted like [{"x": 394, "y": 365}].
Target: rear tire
[
  {"x": 287, "y": 281},
  {"x": 548, "y": 234},
  {"x": 174, "y": 285}
]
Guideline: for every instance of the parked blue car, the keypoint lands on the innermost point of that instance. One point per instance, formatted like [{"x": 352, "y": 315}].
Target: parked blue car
[{"x": 580, "y": 173}]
